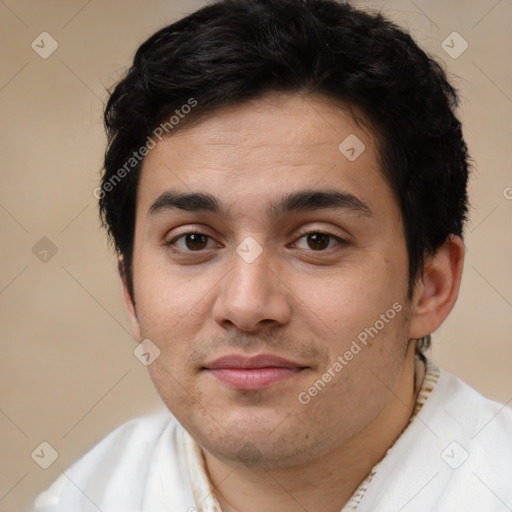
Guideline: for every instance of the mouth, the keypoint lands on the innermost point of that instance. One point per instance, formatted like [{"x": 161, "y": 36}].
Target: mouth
[{"x": 253, "y": 373}]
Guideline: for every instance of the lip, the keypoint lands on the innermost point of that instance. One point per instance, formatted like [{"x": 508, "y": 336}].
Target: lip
[{"x": 253, "y": 373}]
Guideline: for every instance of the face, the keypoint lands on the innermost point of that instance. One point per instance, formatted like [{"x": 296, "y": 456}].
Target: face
[{"x": 276, "y": 291}]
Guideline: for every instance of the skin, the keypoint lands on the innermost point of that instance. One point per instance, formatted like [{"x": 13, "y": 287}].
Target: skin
[{"x": 265, "y": 450}]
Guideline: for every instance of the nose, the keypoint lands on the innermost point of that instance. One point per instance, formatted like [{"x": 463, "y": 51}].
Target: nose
[{"x": 252, "y": 297}]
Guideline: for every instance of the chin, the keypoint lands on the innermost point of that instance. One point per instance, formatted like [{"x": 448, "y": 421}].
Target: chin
[
  {"x": 260, "y": 439},
  {"x": 264, "y": 453}
]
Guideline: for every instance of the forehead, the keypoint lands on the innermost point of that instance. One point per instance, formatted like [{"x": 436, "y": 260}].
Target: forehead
[{"x": 274, "y": 145}]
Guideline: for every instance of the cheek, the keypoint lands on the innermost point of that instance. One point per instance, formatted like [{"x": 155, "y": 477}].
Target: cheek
[
  {"x": 348, "y": 299},
  {"x": 365, "y": 361},
  {"x": 168, "y": 298}
]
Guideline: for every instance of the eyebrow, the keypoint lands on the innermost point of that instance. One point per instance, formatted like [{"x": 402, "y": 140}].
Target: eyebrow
[
  {"x": 310, "y": 200},
  {"x": 303, "y": 200},
  {"x": 191, "y": 202}
]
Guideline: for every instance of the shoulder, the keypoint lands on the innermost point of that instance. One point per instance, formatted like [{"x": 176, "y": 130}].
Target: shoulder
[
  {"x": 118, "y": 469},
  {"x": 459, "y": 417},
  {"x": 456, "y": 454},
  {"x": 475, "y": 447},
  {"x": 469, "y": 411},
  {"x": 134, "y": 441},
  {"x": 135, "y": 435},
  {"x": 468, "y": 445}
]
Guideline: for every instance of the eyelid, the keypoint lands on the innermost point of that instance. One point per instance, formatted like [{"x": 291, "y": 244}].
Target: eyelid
[
  {"x": 190, "y": 231},
  {"x": 324, "y": 230},
  {"x": 340, "y": 241}
]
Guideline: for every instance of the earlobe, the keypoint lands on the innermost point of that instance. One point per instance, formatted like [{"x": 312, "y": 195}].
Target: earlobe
[
  {"x": 436, "y": 293},
  {"x": 129, "y": 301}
]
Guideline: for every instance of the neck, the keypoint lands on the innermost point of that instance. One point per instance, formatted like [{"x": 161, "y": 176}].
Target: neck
[{"x": 324, "y": 484}]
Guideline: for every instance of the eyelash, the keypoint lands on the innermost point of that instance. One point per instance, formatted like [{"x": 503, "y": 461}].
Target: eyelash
[
  {"x": 340, "y": 241},
  {"x": 172, "y": 242}
]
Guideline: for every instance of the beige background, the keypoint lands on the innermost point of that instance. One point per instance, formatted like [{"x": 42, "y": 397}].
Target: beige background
[{"x": 68, "y": 375}]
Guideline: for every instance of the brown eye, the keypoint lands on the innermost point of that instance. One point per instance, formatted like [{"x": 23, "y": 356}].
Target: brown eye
[
  {"x": 318, "y": 241},
  {"x": 196, "y": 241},
  {"x": 192, "y": 242}
]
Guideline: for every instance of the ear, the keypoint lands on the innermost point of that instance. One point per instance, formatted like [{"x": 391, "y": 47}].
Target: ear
[
  {"x": 129, "y": 301},
  {"x": 436, "y": 293}
]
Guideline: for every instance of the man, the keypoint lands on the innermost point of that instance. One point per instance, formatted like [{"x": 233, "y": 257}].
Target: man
[{"x": 285, "y": 184}]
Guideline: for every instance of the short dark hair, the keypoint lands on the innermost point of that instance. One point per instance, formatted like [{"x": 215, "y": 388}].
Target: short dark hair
[{"x": 232, "y": 51}]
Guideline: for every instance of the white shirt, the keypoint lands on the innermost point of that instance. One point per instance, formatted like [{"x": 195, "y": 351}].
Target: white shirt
[{"x": 455, "y": 455}]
